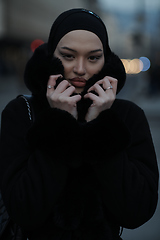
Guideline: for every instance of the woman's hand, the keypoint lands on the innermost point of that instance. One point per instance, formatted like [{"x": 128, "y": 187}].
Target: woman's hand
[
  {"x": 61, "y": 96},
  {"x": 105, "y": 98}
]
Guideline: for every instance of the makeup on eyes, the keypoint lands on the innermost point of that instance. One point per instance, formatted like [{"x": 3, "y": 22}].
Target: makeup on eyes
[{"x": 65, "y": 53}]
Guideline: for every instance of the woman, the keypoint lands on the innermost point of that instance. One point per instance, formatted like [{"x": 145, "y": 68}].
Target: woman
[{"x": 87, "y": 164}]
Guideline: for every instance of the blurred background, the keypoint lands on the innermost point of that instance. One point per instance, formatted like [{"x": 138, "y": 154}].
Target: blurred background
[{"x": 134, "y": 34}]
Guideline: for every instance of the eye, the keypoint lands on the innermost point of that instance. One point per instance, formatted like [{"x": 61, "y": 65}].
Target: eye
[
  {"x": 67, "y": 56},
  {"x": 94, "y": 58}
]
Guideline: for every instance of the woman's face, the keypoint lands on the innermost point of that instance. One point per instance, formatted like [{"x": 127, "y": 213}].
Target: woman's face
[{"x": 82, "y": 56}]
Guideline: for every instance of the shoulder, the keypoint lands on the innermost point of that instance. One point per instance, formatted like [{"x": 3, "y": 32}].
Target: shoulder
[
  {"x": 129, "y": 112},
  {"x": 15, "y": 103},
  {"x": 126, "y": 108},
  {"x": 126, "y": 105},
  {"x": 16, "y": 108}
]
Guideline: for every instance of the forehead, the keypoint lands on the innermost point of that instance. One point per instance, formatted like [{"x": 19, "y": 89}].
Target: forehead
[{"x": 79, "y": 38}]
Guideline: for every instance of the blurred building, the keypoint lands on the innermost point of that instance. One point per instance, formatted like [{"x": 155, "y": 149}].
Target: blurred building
[
  {"x": 21, "y": 22},
  {"x": 29, "y": 19},
  {"x": 133, "y": 28}
]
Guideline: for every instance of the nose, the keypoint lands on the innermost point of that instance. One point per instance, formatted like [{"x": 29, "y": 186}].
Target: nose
[{"x": 79, "y": 67}]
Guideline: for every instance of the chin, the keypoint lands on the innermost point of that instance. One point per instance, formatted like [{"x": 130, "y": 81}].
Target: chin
[{"x": 79, "y": 90}]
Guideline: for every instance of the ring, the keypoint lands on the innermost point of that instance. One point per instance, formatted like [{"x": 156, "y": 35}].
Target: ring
[
  {"x": 109, "y": 87},
  {"x": 50, "y": 86}
]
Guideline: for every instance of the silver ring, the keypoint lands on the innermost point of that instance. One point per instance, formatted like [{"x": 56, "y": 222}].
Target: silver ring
[
  {"x": 109, "y": 87},
  {"x": 50, "y": 86}
]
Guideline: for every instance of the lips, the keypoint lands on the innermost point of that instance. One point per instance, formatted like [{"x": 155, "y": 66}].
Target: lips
[{"x": 78, "y": 82}]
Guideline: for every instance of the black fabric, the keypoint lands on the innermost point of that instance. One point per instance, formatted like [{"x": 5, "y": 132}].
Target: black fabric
[
  {"x": 55, "y": 192},
  {"x": 77, "y": 19},
  {"x": 9, "y": 230},
  {"x": 4, "y": 217}
]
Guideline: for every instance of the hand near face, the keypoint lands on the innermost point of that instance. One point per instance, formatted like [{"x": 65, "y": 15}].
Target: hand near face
[
  {"x": 105, "y": 98},
  {"x": 61, "y": 96}
]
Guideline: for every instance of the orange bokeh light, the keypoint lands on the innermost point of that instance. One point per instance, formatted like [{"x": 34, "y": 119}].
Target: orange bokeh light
[
  {"x": 36, "y": 43},
  {"x": 133, "y": 66}
]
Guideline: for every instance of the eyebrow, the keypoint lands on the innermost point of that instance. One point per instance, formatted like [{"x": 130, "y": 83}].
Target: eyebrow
[
  {"x": 97, "y": 50},
  {"x": 70, "y": 49}
]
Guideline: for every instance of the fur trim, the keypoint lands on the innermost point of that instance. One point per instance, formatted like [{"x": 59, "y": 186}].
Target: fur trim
[{"x": 41, "y": 66}]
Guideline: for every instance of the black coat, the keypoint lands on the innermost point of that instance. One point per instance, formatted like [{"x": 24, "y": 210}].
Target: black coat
[{"x": 65, "y": 179}]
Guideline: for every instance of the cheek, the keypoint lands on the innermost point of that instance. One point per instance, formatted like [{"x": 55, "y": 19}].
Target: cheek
[
  {"x": 95, "y": 68},
  {"x": 67, "y": 69}
]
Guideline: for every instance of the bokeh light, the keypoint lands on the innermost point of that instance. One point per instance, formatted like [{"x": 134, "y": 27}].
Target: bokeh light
[
  {"x": 36, "y": 43},
  {"x": 135, "y": 66},
  {"x": 146, "y": 63}
]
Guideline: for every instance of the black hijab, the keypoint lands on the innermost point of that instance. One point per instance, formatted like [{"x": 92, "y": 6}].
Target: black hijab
[
  {"x": 77, "y": 19},
  {"x": 43, "y": 64}
]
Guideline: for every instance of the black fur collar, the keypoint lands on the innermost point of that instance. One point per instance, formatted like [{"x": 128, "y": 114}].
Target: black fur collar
[{"x": 41, "y": 66}]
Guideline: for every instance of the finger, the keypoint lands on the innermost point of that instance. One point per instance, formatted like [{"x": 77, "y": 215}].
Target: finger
[
  {"x": 107, "y": 82},
  {"x": 62, "y": 86},
  {"x": 108, "y": 78},
  {"x": 100, "y": 82},
  {"x": 98, "y": 89},
  {"x": 104, "y": 84},
  {"x": 52, "y": 82},
  {"x": 52, "y": 79},
  {"x": 110, "y": 81},
  {"x": 76, "y": 98},
  {"x": 91, "y": 96},
  {"x": 70, "y": 90}
]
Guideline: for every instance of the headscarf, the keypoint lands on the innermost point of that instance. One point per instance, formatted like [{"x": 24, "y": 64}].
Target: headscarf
[{"x": 77, "y": 19}]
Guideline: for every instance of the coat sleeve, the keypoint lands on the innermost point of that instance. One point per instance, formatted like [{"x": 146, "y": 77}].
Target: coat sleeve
[
  {"x": 31, "y": 178},
  {"x": 128, "y": 176}
]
